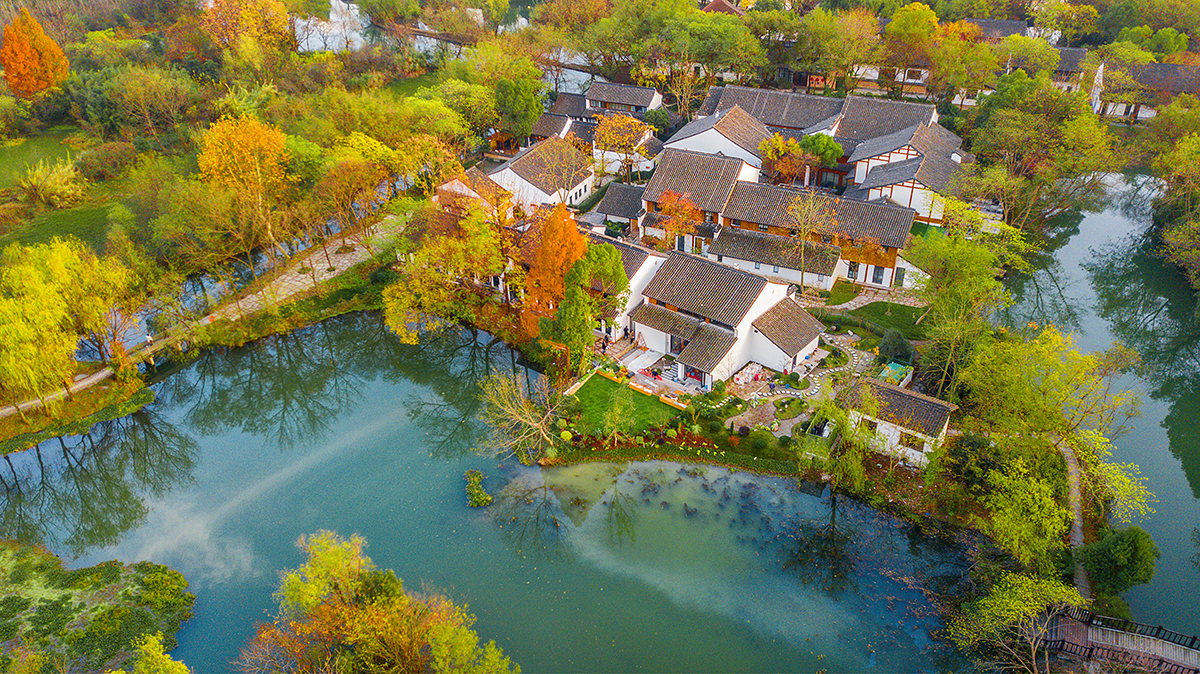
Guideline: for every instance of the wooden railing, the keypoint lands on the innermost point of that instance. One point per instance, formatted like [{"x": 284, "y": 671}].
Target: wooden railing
[{"x": 1152, "y": 647}]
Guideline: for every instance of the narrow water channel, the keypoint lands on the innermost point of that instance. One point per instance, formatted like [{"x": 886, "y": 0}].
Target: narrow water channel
[
  {"x": 1102, "y": 278},
  {"x": 629, "y": 567}
]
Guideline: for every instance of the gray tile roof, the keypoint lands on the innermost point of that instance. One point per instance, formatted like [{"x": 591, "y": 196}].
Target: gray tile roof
[
  {"x": 622, "y": 201},
  {"x": 789, "y": 326},
  {"x": 780, "y": 108},
  {"x": 998, "y": 29},
  {"x": 1168, "y": 78},
  {"x": 864, "y": 118},
  {"x": 625, "y": 94},
  {"x": 1069, "y": 59},
  {"x": 632, "y": 257},
  {"x": 741, "y": 128},
  {"x": 550, "y": 124},
  {"x": 707, "y": 347},
  {"x": 705, "y": 179},
  {"x": 704, "y": 288},
  {"x": 857, "y": 220},
  {"x": 571, "y": 105},
  {"x": 550, "y": 165},
  {"x": 776, "y": 250},
  {"x": 904, "y": 407},
  {"x": 883, "y": 144},
  {"x": 892, "y": 174}
]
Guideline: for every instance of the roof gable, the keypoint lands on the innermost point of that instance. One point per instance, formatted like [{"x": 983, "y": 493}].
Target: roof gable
[
  {"x": 705, "y": 179},
  {"x": 788, "y": 326},
  {"x": 624, "y": 94},
  {"x": 904, "y": 407},
  {"x": 705, "y": 288}
]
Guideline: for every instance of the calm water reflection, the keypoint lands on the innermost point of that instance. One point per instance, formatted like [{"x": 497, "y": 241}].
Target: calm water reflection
[
  {"x": 642, "y": 567},
  {"x": 1102, "y": 277}
]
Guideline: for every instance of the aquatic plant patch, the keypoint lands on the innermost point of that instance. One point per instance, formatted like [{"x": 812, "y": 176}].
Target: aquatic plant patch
[{"x": 87, "y": 619}]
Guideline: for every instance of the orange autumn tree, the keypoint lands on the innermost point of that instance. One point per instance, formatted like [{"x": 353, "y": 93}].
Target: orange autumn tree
[
  {"x": 248, "y": 158},
  {"x": 561, "y": 247},
  {"x": 33, "y": 62},
  {"x": 682, "y": 218}
]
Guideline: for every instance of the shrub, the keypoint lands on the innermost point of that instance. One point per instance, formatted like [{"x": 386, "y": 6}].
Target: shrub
[
  {"x": 106, "y": 161},
  {"x": 894, "y": 346},
  {"x": 476, "y": 496},
  {"x": 53, "y": 184}
]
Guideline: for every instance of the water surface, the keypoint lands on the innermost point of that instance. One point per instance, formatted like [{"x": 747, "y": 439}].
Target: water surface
[{"x": 629, "y": 567}]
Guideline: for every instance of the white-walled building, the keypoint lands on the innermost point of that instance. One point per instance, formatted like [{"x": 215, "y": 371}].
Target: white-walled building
[
  {"x": 704, "y": 314},
  {"x": 550, "y": 172},
  {"x": 732, "y": 133},
  {"x": 907, "y": 424}
]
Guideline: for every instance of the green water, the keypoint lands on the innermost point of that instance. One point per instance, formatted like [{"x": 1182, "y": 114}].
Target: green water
[
  {"x": 632, "y": 567},
  {"x": 1102, "y": 278}
]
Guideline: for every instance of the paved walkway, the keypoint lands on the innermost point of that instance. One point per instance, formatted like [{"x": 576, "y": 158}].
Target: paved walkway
[
  {"x": 866, "y": 295},
  {"x": 1082, "y": 583},
  {"x": 289, "y": 282}
]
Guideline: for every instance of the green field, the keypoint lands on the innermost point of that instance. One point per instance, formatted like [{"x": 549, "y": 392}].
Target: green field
[
  {"x": 594, "y": 399},
  {"x": 902, "y": 318},
  {"x": 49, "y": 146}
]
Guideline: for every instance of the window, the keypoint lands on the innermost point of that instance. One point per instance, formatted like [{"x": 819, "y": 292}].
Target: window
[
  {"x": 762, "y": 228},
  {"x": 878, "y": 276},
  {"x": 758, "y": 265},
  {"x": 911, "y": 441}
]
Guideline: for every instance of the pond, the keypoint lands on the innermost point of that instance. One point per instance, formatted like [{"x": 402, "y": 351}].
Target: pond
[
  {"x": 1102, "y": 278},
  {"x": 602, "y": 567}
]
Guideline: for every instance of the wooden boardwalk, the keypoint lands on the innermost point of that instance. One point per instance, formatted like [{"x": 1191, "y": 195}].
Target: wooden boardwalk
[{"x": 1081, "y": 634}]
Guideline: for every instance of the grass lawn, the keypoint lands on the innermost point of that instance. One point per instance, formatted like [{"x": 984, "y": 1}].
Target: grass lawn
[
  {"x": 48, "y": 145},
  {"x": 88, "y": 223},
  {"x": 408, "y": 86},
  {"x": 594, "y": 399},
  {"x": 903, "y": 318},
  {"x": 842, "y": 292}
]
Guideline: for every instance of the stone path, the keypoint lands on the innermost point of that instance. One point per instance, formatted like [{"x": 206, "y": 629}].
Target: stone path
[
  {"x": 866, "y": 295},
  {"x": 292, "y": 280},
  {"x": 289, "y": 282},
  {"x": 1082, "y": 582}
]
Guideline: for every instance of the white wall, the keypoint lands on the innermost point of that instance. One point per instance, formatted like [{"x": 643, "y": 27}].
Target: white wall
[
  {"x": 527, "y": 195},
  {"x": 712, "y": 142},
  {"x": 637, "y": 284},
  {"x": 784, "y": 273},
  {"x": 888, "y": 440}
]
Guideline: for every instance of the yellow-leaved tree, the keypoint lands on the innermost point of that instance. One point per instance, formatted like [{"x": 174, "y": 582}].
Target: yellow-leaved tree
[
  {"x": 250, "y": 159},
  {"x": 33, "y": 62}
]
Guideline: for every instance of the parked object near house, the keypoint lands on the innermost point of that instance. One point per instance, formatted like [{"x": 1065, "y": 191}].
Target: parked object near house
[{"x": 907, "y": 424}]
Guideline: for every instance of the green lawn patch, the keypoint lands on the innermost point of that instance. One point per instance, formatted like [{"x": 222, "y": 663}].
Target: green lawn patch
[
  {"x": 843, "y": 291},
  {"x": 408, "y": 86},
  {"x": 594, "y": 397},
  {"x": 898, "y": 317},
  {"x": 88, "y": 223}
]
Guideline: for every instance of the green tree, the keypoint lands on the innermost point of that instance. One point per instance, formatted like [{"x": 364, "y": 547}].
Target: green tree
[
  {"x": 1013, "y": 620},
  {"x": 1121, "y": 559},
  {"x": 1025, "y": 515},
  {"x": 518, "y": 104}
]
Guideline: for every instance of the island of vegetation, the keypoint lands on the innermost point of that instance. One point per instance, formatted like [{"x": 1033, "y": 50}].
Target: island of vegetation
[{"x": 771, "y": 237}]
